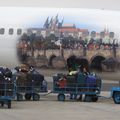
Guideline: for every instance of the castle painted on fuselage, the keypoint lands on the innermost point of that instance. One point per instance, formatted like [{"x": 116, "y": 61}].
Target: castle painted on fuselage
[{"x": 53, "y": 26}]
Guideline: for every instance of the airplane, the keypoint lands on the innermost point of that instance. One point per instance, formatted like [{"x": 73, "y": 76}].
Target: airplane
[{"x": 15, "y": 21}]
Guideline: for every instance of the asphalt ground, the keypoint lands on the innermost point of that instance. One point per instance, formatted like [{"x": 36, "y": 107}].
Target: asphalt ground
[{"x": 48, "y": 108}]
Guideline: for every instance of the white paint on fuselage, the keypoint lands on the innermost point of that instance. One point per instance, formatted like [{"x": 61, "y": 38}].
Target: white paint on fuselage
[
  {"x": 8, "y": 55},
  {"x": 13, "y": 17}
]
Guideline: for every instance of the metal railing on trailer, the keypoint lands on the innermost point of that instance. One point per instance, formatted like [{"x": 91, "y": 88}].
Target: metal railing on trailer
[
  {"x": 90, "y": 90},
  {"x": 7, "y": 92},
  {"x": 29, "y": 90}
]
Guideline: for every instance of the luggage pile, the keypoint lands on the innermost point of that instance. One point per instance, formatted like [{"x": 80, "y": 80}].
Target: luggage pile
[
  {"x": 80, "y": 81},
  {"x": 7, "y": 87},
  {"x": 6, "y": 82},
  {"x": 29, "y": 83},
  {"x": 76, "y": 85},
  {"x": 27, "y": 79}
]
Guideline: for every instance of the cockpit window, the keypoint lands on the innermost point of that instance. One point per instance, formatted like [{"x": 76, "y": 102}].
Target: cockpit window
[
  {"x": 19, "y": 31},
  {"x": 11, "y": 31},
  {"x": 2, "y": 31}
]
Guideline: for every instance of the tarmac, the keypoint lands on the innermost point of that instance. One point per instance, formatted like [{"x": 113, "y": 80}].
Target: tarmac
[{"x": 48, "y": 108}]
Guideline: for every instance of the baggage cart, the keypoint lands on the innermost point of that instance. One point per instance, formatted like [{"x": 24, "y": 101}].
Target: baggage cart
[
  {"x": 77, "y": 86},
  {"x": 30, "y": 87},
  {"x": 7, "y": 92}
]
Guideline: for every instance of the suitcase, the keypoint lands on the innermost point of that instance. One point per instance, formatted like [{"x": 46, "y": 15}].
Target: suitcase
[
  {"x": 81, "y": 80},
  {"x": 91, "y": 81}
]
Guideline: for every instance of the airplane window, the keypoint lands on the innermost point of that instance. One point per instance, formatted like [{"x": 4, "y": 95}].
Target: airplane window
[
  {"x": 2, "y": 31},
  {"x": 10, "y": 31},
  {"x": 19, "y": 31}
]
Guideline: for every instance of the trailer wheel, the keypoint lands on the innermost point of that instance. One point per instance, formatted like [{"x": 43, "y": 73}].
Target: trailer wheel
[
  {"x": 94, "y": 98},
  {"x": 116, "y": 97},
  {"x": 61, "y": 97},
  {"x": 88, "y": 98},
  {"x": 36, "y": 97},
  {"x": 2, "y": 103},
  {"x": 9, "y": 103},
  {"x": 27, "y": 96},
  {"x": 19, "y": 97}
]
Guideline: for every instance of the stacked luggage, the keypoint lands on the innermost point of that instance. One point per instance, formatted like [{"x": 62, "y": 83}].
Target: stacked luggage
[
  {"x": 80, "y": 80},
  {"x": 29, "y": 82},
  {"x": 6, "y": 83},
  {"x": 28, "y": 79},
  {"x": 7, "y": 86},
  {"x": 78, "y": 84}
]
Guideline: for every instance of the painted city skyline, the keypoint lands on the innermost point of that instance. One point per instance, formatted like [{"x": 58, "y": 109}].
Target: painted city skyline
[{"x": 83, "y": 18}]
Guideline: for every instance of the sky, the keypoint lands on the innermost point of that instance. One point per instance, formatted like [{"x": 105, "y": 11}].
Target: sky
[{"x": 92, "y": 19}]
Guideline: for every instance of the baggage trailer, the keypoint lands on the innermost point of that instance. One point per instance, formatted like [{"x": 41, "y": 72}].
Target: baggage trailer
[
  {"x": 30, "y": 85},
  {"x": 7, "y": 92},
  {"x": 77, "y": 86}
]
